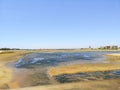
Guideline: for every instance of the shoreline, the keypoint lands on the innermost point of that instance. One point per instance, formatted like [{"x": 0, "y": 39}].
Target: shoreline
[{"x": 76, "y": 68}]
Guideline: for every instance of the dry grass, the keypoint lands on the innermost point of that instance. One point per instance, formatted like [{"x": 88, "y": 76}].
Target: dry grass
[
  {"x": 14, "y": 55},
  {"x": 83, "y": 68}
]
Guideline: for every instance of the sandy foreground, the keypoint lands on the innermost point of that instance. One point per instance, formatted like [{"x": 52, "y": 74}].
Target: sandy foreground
[
  {"x": 113, "y": 84},
  {"x": 6, "y": 75}
]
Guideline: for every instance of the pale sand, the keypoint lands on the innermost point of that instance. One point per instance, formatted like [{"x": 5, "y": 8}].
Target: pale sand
[{"x": 113, "y": 55}]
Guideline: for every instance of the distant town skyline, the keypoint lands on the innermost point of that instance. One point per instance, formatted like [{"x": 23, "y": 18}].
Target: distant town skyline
[{"x": 59, "y": 23}]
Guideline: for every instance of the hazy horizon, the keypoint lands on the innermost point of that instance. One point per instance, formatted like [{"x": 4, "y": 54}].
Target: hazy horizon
[{"x": 59, "y": 23}]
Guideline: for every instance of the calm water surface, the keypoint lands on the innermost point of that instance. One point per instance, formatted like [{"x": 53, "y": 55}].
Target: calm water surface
[{"x": 61, "y": 58}]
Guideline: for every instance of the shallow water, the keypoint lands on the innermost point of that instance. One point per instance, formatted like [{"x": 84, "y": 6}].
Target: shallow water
[{"x": 59, "y": 58}]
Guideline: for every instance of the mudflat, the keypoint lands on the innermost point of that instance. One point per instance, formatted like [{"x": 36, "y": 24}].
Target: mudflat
[{"x": 7, "y": 75}]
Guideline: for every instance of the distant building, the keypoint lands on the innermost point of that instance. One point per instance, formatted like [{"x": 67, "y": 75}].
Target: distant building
[
  {"x": 113, "y": 47},
  {"x": 107, "y": 47}
]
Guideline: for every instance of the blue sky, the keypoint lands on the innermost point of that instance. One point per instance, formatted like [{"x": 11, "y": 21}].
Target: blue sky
[{"x": 59, "y": 23}]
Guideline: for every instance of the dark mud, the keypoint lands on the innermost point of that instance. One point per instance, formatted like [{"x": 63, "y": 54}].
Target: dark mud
[{"x": 104, "y": 75}]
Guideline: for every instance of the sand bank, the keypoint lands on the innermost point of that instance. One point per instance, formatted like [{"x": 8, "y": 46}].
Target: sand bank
[
  {"x": 83, "y": 68},
  {"x": 118, "y": 55}
]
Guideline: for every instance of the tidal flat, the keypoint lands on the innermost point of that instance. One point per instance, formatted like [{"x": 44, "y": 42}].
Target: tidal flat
[{"x": 50, "y": 70}]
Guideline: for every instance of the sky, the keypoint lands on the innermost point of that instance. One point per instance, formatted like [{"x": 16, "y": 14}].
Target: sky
[{"x": 59, "y": 23}]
